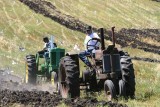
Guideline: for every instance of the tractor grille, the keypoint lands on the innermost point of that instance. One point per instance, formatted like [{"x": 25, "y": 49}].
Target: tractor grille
[
  {"x": 56, "y": 55},
  {"x": 53, "y": 61},
  {"x": 111, "y": 63},
  {"x": 61, "y": 55}
]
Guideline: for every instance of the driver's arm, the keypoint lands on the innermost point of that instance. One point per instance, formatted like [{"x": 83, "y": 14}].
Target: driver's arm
[
  {"x": 45, "y": 47},
  {"x": 96, "y": 37}
]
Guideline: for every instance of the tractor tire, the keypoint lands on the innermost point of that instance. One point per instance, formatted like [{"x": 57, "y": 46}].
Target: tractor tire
[
  {"x": 30, "y": 56},
  {"x": 128, "y": 74},
  {"x": 31, "y": 69},
  {"x": 122, "y": 88},
  {"x": 110, "y": 90},
  {"x": 68, "y": 78}
]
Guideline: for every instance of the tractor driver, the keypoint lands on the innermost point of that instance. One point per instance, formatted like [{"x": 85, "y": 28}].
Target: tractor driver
[
  {"x": 90, "y": 42},
  {"x": 47, "y": 46}
]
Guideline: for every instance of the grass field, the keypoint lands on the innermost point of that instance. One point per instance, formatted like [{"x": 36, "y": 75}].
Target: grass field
[
  {"x": 119, "y": 13},
  {"x": 21, "y": 27}
]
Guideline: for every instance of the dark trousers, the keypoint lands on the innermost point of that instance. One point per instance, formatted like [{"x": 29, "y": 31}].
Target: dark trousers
[
  {"x": 42, "y": 52},
  {"x": 83, "y": 57}
]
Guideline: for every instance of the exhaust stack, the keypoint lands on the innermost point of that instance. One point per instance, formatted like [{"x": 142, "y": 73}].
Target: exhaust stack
[
  {"x": 113, "y": 36},
  {"x": 102, "y": 38}
]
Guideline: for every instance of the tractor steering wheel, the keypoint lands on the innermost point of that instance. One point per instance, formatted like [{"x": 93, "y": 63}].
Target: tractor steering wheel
[{"x": 95, "y": 45}]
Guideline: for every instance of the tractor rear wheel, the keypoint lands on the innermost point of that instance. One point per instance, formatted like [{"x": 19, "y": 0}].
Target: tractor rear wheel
[
  {"x": 128, "y": 74},
  {"x": 30, "y": 75},
  {"x": 68, "y": 78},
  {"x": 110, "y": 90}
]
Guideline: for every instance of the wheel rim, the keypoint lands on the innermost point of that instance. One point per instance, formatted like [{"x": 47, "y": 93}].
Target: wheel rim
[{"x": 26, "y": 75}]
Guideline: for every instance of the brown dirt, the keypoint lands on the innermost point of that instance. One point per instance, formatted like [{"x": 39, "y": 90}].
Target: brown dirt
[
  {"x": 12, "y": 91},
  {"x": 45, "y": 99}
]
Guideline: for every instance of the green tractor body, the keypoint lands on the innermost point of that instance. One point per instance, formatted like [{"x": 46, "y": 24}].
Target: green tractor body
[
  {"x": 51, "y": 62},
  {"x": 38, "y": 66}
]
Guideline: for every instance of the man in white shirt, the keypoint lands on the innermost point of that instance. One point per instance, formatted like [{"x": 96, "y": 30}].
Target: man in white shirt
[
  {"x": 90, "y": 43},
  {"x": 47, "y": 45}
]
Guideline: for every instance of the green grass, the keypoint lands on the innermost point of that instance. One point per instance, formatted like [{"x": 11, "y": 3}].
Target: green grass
[
  {"x": 107, "y": 13},
  {"x": 20, "y": 26},
  {"x": 141, "y": 53},
  {"x": 147, "y": 86}
]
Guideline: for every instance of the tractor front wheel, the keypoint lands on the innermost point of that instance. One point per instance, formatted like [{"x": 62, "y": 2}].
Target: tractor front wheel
[{"x": 110, "y": 90}]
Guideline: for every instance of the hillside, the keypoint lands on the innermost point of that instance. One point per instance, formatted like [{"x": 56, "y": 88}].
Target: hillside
[
  {"x": 21, "y": 28},
  {"x": 121, "y": 13},
  {"x": 23, "y": 23},
  {"x": 133, "y": 37}
]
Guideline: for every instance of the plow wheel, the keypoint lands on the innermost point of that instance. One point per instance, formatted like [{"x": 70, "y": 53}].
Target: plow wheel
[
  {"x": 109, "y": 90},
  {"x": 30, "y": 72},
  {"x": 68, "y": 78}
]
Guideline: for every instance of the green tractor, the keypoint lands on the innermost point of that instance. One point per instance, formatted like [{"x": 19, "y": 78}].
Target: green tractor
[
  {"x": 112, "y": 71},
  {"x": 38, "y": 66}
]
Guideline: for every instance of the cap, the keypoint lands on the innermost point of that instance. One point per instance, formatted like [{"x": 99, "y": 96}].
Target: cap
[
  {"x": 89, "y": 28},
  {"x": 45, "y": 38}
]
